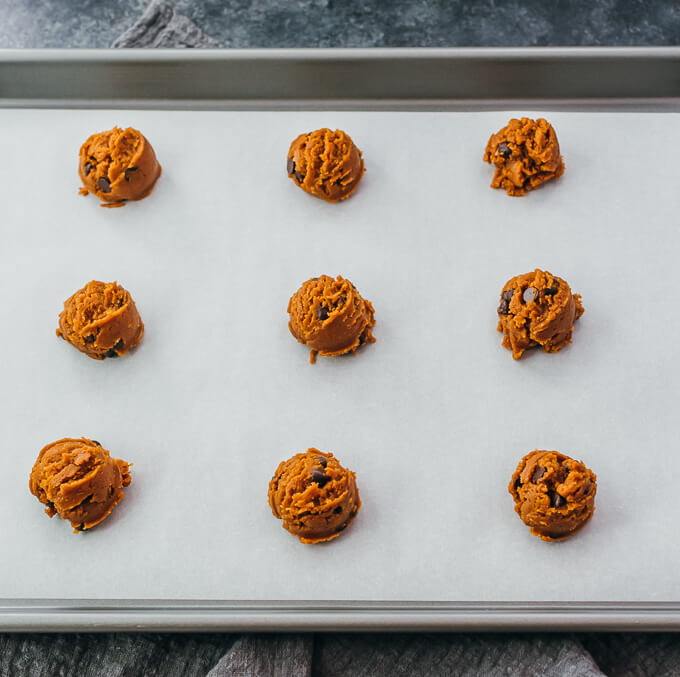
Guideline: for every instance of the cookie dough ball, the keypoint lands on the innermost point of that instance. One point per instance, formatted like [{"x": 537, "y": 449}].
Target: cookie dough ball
[
  {"x": 325, "y": 164},
  {"x": 316, "y": 497},
  {"x": 537, "y": 309},
  {"x": 79, "y": 481},
  {"x": 330, "y": 316},
  {"x": 117, "y": 166},
  {"x": 101, "y": 320},
  {"x": 526, "y": 154},
  {"x": 554, "y": 494}
]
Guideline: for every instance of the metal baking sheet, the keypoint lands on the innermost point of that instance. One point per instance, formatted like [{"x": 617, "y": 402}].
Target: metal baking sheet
[{"x": 433, "y": 417}]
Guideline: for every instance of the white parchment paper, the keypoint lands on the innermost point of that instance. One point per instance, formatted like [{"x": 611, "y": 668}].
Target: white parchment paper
[{"x": 433, "y": 417}]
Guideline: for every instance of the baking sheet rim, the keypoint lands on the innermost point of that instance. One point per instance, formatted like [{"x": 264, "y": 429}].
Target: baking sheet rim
[{"x": 200, "y": 616}]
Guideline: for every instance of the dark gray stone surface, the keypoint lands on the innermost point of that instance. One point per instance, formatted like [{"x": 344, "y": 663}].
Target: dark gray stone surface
[{"x": 354, "y": 23}]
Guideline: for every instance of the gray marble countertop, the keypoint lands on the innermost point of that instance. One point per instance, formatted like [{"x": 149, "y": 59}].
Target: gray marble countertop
[{"x": 354, "y": 23}]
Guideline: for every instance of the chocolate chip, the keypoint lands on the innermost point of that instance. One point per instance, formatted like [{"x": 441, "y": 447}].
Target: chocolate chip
[
  {"x": 340, "y": 301},
  {"x": 322, "y": 461},
  {"x": 538, "y": 473},
  {"x": 341, "y": 527},
  {"x": 517, "y": 484},
  {"x": 530, "y": 294},
  {"x": 118, "y": 345},
  {"x": 111, "y": 353},
  {"x": 553, "y": 288},
  {"x": 586, "y": 488},
  {"x": 299, "y": 176},
  {"x": 338, "y": 510},
  {"x": 80, "y": 527},
  {"x": 290, "y": 166},
  {"x": 88, "y": 168},
  {"x": 89, "y": 338},
  {"x": 104, "y": 185},
  {"x": 556, "y": 501},
  {"x": 129, "y": 171},
  {"x": 504, "y": 150},
  {"x": 321, "y": 313},
  {"x": 49, "y": 505},
  {"x": 504, "y": 306},
  {"x": 362, "y": 338},
  {"x": 319, "y": 477},
  {"x": 97, "y": 443}
]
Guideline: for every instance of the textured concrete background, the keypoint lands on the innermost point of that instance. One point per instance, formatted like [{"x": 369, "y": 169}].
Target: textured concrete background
[{"x": 354, "y": 23}]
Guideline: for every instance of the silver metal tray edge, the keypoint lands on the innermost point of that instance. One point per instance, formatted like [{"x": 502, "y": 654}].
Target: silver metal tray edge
[
  {"x": 417, "y": 78},
  {"x": 205, "y": 616}
]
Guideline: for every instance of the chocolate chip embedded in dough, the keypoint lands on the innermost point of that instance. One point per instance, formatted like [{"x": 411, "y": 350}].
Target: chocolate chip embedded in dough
[
  {"x": 504, "y": 306},
  {"x": 88, "y": 168},
  {"x": 129, "y": 172},
  {"x": 299, "y": 176},
  {"x": 338, "y": 510},
  {"x": 97, "y": 443},
  {"x": 539, "y": 471},
  {"x": 530, "y": 294},
  {"x": 322, "y": 461},
  {"x": 118, "y": 345},
  {"x": 290, "y": 166},
  {"x": 556, "y": 501},
  {"x": 321, "y": 313},
  {"x": 104, "y": 185},
  {"x": 504, "y": 150},
  {"x": 111, "y": 353},
  {"x": 552, "y": 289},
  {"x": 89, "y": 338},
  {"x": 320, "y": 478}
]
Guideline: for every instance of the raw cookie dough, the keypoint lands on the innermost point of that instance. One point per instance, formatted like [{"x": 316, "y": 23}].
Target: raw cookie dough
[
  {"x": 554, "y": 494},
  {"x": 526, "y": 154},
  {"x": 325, "y": 164},
  {"x": 316, "y": 497},
  {"x": 118, "y": 165},
  {"x": 330, "y": 317},
  {"x": 101, "y": 320},
  {"x": 537, "y": 309},
  {"x": 79, "y": 481}
]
